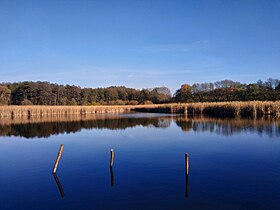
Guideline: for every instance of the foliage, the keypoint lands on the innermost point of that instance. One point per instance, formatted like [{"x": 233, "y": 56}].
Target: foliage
[
  {"x": 227, "y": 90},
  {"x": 5, "y": 94},
  {"x": 26, "y": 102},
  {"x": 45, "y": 93},
  {"x": 147, "y": 102}
]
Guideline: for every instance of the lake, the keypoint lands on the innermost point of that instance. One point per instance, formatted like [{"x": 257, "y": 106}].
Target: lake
[{"x": 234, "y": 163}]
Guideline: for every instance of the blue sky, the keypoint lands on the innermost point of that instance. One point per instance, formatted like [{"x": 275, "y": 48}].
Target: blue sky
[{"x": 139, "y": 43}]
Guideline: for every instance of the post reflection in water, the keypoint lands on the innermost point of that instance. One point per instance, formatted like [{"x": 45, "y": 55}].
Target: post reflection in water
[
  {"x": 112, "y": 177},
  {"x": 166, "y": 182},
  {"x": 187, "y": 186},
  {"x": 59, "y": 185}
]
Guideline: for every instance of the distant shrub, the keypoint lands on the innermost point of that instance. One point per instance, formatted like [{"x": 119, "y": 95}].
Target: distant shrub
[
  {"x": 119, "y": 102},
  {"x": 132, "y": 102},
  {"x": 26, "y": 102},
  {"x": 95, "y": 104},
  {"x": 147, "y": 102}
]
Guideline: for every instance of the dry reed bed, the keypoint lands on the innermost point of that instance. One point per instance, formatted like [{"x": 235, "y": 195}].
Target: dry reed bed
[
  {"x": 13, "y": 111},
  {"x": 252, "y": 109}
]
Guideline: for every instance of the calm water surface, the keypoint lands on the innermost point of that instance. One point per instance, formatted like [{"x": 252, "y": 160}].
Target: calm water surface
[{"x": 234, "y": 164}]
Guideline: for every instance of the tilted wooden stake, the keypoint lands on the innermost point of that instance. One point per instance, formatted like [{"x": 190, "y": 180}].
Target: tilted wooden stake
[
  {"x": 112, "y": 158},
  {"x": 58, "y": 158},
  {"x": 187, "y": 163}
]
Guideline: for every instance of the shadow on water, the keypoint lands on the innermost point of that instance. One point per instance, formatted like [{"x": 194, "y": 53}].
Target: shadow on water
[{"x": 45, "y": 127}]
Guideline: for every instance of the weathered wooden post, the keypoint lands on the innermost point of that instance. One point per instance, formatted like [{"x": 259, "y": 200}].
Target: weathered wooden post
[
  {"x": 58, "y": 158},
  {"x": 187, "y": 174},
  {"x": 112, "y": 158},
  {"x": 187, "y": 163},
  {"x": 111, "y": 166}
]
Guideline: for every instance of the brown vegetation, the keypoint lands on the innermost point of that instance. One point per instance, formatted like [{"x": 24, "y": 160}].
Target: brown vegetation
[
  {"x": 12, "y": 111},
  {"x": 252, "y": 109}
]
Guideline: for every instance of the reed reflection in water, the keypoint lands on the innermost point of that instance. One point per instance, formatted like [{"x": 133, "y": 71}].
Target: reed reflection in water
[
  {"x": 149, "y": 171},
  {"x": 44, "y": 127}
]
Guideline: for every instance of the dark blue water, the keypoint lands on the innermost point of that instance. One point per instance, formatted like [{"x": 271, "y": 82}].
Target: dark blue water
[{"x": 234, "y": 164}]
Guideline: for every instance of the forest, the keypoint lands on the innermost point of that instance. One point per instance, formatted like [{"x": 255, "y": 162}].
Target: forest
[
  {"x": 228, "y": 90},
  {"x": 45, "y": 93}
]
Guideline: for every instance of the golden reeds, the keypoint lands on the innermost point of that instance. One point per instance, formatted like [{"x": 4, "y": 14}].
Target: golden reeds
[
  {"x": 252, "y": 109},
  {"x": 29, "y": 111}
]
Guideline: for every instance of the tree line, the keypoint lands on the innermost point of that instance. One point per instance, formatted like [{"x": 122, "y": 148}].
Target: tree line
[
  {"x": 45, "y": 93},
  {"x": 228, "y": 90}
]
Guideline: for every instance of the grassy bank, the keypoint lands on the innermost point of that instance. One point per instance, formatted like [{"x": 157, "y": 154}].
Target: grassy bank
[{"x": 252, "y": 109}]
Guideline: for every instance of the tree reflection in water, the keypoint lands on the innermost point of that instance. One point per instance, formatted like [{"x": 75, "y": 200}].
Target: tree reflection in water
[{"x": 43, "y": 127}]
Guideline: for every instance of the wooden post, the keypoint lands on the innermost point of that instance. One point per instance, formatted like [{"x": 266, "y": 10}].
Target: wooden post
[
  {"x": 187, "y": 174},
  {"x": 187, "y": 163},
  {"x": 112, "y": 158},
  {"x": 58, "y": 158}
]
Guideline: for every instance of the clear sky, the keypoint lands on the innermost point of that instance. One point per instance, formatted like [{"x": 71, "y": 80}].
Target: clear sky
[{"x": 139, "y": 43}]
